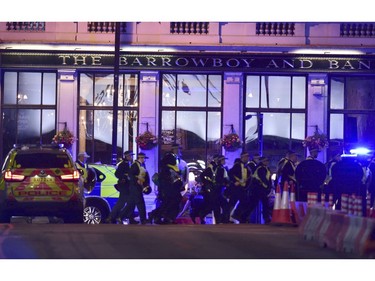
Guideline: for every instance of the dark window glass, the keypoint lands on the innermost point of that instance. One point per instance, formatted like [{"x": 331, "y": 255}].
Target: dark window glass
[{"x": 45, "y": 160}]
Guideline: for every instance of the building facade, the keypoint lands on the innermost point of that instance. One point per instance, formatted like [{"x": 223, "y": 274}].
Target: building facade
[{"x": 191, "y": 83}]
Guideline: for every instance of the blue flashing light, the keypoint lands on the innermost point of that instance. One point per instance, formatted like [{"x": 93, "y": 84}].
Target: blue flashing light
[{"x": 360, "y": 151}]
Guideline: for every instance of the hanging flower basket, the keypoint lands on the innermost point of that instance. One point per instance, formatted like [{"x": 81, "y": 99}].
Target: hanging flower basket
[
  {"x": 231, "y": 142},
  {"x": 146, "y": 141},
  {"x": 64, "y": 137},
  {"x": 318, "y": 142}
]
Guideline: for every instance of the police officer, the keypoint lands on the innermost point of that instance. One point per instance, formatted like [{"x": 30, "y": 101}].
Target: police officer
[
  {"x": 260, "y": 189},
  {"x": 314, "y": 152},
  {"x": 207, "y": 178},
  {"x": 241, "y": 177},
  {"x": 181, "y": 164},
  {"x": 122, "y": 173},
  {"x": 220, "y": 203},
  {"x": 82, "y": 164},
  {"x": 216, "y": 201},
  {"x": 139, "y": 183},
  {"x": 286, "y": 168},
  {"x": 88, "y": 173},
  {"x": 336, "y": 157},
  {"x": 253, "y": 163},
  {"x": 170, "y": 187},
  {"x": 347, "y": 177}
]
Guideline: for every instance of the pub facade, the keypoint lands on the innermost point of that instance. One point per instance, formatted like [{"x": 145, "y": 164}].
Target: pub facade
[{"x": 187, "y": 83}]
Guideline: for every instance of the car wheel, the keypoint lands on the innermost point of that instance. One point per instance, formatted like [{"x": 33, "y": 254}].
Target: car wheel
[{"x": 94, "y": 213}]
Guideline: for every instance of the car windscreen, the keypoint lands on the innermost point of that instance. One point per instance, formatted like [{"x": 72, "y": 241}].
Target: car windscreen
[{"x": 40, "y": 160}]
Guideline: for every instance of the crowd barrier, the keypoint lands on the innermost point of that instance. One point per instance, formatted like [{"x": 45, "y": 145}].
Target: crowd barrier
[{"x": 339, "y": 230}]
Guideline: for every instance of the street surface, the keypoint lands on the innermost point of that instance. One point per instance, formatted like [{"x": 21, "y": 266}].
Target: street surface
[
  {"x": 81, "y": 241},
  {"x": 164, "y": 252}
]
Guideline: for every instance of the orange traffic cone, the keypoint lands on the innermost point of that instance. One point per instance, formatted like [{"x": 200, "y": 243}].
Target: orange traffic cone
[
  {"x": 296, "y": 215},
  {"x": 281, "y": 212},
  {"x": 277, "y": 203}
]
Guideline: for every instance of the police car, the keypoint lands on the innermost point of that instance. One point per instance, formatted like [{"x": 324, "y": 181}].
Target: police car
[
  {"x": 41, "y": 181},
  {"x": 102, "y": 196}
]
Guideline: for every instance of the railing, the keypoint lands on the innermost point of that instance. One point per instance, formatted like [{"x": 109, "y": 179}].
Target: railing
[
  {"x": 105, "y": 27},
  {"x": 357, "y": 29},
  {"x": 26, "y": 26},
  {"x": 189, "y": 28},
  {"x": 275, "y": 28}
]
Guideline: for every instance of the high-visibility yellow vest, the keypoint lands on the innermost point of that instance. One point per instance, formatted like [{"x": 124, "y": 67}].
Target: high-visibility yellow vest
[{"x": 256, "y": 176}]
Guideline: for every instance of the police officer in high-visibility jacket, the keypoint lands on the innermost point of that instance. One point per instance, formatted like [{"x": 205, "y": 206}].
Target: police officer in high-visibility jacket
[
  {"x": 216, "y": 201},
  {"x": 286, "y": 168},
  {"x": 122, "y": 173},
  {"x": 241, "y": 176},
  {"x": 260, "y": 189},
  {"x": 139, "y": 184},
  {"x": 82, "y": 166},
  {"x": 328, "y": 188}
]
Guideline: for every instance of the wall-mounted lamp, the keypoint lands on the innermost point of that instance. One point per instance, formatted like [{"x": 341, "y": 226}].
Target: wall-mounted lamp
[
  {"x": 318, "y": 87},
  {"x": 317, "y": 82}
]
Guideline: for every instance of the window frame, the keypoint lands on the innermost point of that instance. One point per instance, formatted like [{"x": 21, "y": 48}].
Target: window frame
[
  {"x": 94, "y": 157},
  {"x": 18, "y": 106},
  {"x": 259, "y": 112},
  {"x": 176, "y": 108}
]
